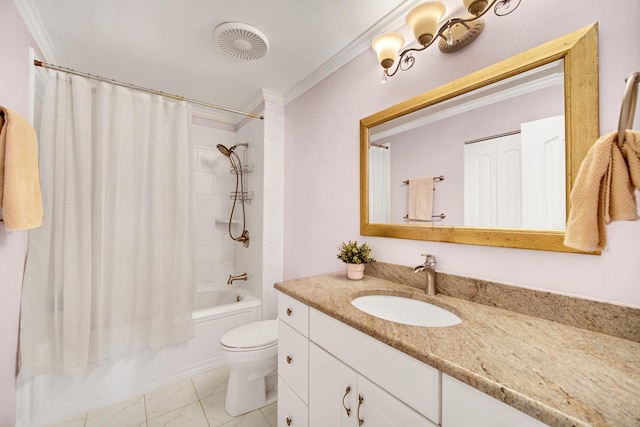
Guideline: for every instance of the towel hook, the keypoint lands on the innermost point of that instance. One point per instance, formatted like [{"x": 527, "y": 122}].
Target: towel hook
[{"x": 628, "y": 109}]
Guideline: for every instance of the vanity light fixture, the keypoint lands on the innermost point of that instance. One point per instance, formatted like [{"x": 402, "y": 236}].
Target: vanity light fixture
[{"x": 423, "y": 19}]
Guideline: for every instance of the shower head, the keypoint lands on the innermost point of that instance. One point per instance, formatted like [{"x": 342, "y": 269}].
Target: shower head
[
  {"x": 228, "y": 151},
  {"x": 224, "y": 150}
]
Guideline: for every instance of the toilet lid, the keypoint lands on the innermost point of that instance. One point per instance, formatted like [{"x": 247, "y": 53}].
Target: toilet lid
[{"x": 251, "y": 335}]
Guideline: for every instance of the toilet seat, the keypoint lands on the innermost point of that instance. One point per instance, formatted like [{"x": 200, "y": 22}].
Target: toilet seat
[{"x": 251, "y": 337}]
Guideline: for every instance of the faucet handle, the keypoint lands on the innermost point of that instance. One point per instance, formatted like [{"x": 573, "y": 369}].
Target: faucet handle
[{"x": 430, "y": 260}]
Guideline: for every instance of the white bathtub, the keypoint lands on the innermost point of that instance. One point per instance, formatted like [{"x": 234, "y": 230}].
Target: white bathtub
[
  {"x": 217, "y": 301},
  {"x": 49, "y": 398}
]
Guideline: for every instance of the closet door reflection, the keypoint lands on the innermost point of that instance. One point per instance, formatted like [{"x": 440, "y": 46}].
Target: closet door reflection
[
  {"x": 517, "y": 180},
  {"x": 492, "y": 190},
  {"x": 543, "y": 174}
]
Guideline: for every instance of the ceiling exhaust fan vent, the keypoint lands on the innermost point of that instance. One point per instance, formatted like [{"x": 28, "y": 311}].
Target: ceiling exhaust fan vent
[{"x": 242, "y": 41}]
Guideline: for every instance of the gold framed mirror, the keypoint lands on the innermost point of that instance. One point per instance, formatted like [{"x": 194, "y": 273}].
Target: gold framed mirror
[{"x": 577, "y": 56}]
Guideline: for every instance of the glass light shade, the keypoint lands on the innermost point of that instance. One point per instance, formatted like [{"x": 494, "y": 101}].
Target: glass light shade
[
  {"x": 387, "y": 47},
  {"x": 475, "y": 6},
  {"x": 423, "y": 20}
]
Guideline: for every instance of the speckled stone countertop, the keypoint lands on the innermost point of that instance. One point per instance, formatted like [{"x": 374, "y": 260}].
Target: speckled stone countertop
[{"x": 559, "y": 374}]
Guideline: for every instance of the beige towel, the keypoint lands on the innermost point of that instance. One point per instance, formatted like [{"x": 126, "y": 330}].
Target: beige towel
[
  {"x": 604, "y": 191},
  {"x": 421, "y": 198},
  {"x": 19, "y": 176}
]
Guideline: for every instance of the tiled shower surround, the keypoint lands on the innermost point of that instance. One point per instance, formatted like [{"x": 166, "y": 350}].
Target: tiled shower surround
[{"x": 213, "y": 180}]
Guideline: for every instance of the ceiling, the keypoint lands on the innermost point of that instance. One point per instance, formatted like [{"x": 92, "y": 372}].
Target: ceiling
[{"x": 168, "y": 45}]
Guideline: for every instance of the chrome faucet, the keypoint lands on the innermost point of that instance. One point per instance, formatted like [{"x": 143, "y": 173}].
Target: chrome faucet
[
  {"x": 430, "y": 267},
  {"x": 242, "y": 276}
]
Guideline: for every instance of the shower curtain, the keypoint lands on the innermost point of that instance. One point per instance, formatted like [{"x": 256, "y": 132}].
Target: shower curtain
[
  {"x": 110, "y": 271},
  {"x": 379, "y": 184}
]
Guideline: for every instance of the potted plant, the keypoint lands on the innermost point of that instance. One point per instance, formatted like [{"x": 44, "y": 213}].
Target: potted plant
[{"x": 355, "y": 257}]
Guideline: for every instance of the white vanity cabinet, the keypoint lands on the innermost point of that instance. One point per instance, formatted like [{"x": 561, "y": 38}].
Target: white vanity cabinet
[
  {"x": 332, "y": 375},
  {"x": 463, "y": 405},
  {"x": 341, "y": 397},
  {"x": 410, "y": 381}
]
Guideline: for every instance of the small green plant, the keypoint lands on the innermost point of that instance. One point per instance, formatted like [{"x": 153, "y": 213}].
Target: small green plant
[{"x": 351, "y": 253}]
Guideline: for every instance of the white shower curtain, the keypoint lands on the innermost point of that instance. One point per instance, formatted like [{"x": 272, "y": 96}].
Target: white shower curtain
[
  {"x": 379, "y": 184},
  {"x": 109, "y": 271}
]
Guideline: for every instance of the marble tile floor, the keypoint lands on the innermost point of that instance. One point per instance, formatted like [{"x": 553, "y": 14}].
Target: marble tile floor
[{"x": 194, "y": 402}]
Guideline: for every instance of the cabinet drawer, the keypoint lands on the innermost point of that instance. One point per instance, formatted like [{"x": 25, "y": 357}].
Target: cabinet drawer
[
  {"x": 293, "y": 360},
  {"x": 413, "y": 382},
  {"x": 292, "y": 412},
  {"x": 294, "y": 313}
]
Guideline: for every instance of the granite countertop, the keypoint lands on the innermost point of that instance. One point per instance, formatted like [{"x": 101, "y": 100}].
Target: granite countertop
[{"x": 558, "y": 374}]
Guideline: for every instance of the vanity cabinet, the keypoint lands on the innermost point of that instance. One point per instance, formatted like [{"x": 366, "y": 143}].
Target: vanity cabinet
[
  {"x": 331, "y": 374},
  {"x": 320, "y": 357},
  {"x": 479, "y": 409},
  {"x": 412, "y": 382},
  {"x": 342, "y": 397}
]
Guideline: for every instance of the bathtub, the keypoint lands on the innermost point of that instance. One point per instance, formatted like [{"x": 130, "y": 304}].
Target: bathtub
[
  {"x": 217, "y": 301},
  {"x": 50, "y": 398}
]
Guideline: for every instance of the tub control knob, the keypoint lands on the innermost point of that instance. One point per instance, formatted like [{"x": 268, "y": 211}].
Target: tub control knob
[
  {"x": 289, "y": 360},
  {"x": 288, "y": 420},
  {"x": 289, "y": 312}
]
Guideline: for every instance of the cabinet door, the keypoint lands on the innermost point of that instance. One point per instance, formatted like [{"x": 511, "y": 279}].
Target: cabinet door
[
  {"x": 464, "y": 406},
  {"x": 292, "y": 412},
  {"x": 332, "y": 391},
  {"x": 377, "y": 408}
]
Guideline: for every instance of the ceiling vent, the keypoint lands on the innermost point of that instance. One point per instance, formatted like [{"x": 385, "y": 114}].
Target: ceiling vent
[{"x": 242, "y": 41}]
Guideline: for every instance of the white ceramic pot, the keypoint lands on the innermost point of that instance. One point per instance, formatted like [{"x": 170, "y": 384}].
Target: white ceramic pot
[{"x": 355, "y": 271}]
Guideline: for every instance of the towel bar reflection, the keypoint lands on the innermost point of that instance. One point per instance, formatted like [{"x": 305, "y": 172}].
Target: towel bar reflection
[
  {"x": 441, "y": 216},
  {"x": 628, "y": 108},
  {"x": 435, "y": 178}
]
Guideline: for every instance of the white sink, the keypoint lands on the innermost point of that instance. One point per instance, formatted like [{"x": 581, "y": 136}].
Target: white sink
[{"x": 406, "y": 310}]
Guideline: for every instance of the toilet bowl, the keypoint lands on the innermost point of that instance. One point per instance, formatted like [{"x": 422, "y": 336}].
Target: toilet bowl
[{"x": 251, "y": 352}]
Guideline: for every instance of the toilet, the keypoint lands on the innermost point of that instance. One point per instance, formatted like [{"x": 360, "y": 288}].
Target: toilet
[{"x": 251, "y": 352}]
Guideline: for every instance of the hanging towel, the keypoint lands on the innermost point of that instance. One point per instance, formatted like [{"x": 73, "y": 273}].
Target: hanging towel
[
  {"x": 604, "y": 191},
  {"x": 20, "y": 197},
  {"x": 421, "y": 198}
]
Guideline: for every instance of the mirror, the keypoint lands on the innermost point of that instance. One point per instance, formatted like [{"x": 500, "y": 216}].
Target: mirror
[{"x": 535, "y": 111}]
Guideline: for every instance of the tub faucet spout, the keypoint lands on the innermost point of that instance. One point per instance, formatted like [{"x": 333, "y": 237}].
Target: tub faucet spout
[
  {"x": 429, "y": 267},
  {"x": 242, "y": 276}
]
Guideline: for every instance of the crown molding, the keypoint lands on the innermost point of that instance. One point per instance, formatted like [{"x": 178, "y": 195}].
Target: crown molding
[
  {"x": 390, "y": 22},
  {"x": 34, "y": 23},
  {"x": 272, "y": 96}
]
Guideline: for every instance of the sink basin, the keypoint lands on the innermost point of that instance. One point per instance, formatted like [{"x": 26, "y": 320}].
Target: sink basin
[{"x": 405, "y": 310}]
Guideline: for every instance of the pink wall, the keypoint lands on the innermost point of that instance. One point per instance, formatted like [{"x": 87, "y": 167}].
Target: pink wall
[
  {"x": 14, "y": 94},
  {"x": 321, "y": 156}
]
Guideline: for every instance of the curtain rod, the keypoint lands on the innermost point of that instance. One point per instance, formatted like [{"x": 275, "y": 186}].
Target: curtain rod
[
  {"x": 486, "y": 138},
  {"x": 143, "y": 89},
  {"x": 374, "y": 144}
]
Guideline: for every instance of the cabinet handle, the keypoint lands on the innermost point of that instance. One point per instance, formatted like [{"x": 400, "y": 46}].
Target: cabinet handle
[
  {"x": 360, "y": 400},
  {"x": 348, "y": 410},
  {"x": 289, "y": 312},
  {"x": 289, "y": 360},
  {"x": 288, "y": 420}
]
